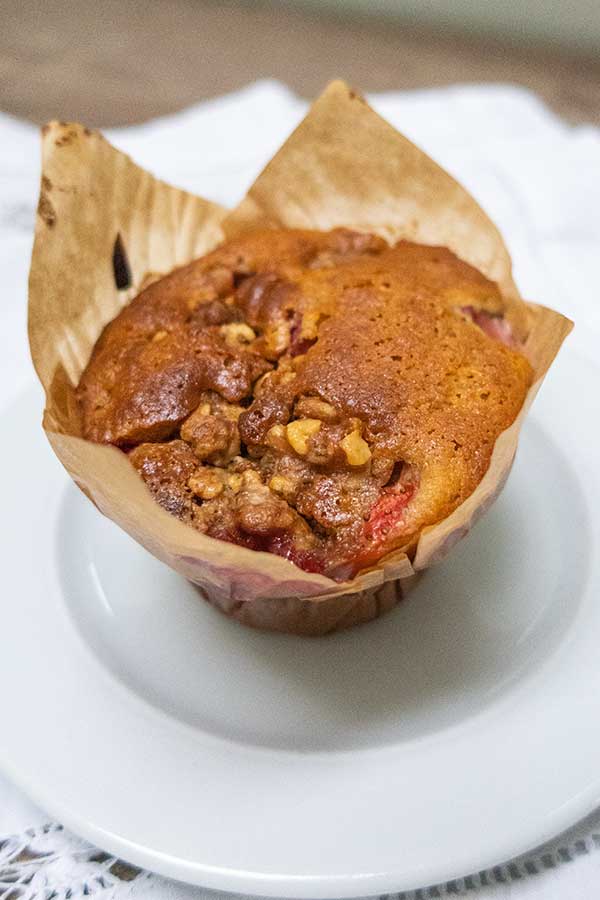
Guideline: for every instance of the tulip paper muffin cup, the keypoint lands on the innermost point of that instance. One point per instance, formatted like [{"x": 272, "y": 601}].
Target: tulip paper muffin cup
[{"x": 104, "y": 225}]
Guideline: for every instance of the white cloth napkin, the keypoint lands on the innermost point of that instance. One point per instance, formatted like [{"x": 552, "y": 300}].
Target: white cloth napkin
[{"x": 537, "y": 177}]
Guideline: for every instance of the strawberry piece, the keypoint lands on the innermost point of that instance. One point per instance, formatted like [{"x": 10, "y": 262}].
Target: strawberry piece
[
  {"x": 495, "y": 326},
  {"x": 388, "y": 512}
]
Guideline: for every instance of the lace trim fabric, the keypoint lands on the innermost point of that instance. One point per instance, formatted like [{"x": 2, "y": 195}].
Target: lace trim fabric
[{"x": 47, "y": 862}]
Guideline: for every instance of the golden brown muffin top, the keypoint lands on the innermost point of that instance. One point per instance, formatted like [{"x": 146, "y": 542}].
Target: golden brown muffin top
[{"x": 347, "y": 392}]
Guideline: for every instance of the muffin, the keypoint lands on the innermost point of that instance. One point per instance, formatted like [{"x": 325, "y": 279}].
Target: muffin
[
  {"x": 323, "y": 395},
  {"x": 318, "y": 395}
]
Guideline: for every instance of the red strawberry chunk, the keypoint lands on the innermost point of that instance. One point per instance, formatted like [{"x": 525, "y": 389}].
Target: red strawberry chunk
[
  {"x": 388, "y": 512},
  {"x": 495, "y": 326}
]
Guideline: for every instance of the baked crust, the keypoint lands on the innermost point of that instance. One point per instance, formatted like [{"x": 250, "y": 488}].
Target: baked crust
[{"x": 319, "y": 395}]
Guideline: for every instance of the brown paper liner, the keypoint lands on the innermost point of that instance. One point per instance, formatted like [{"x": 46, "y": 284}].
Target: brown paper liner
[{"x": 343, "y": 165}]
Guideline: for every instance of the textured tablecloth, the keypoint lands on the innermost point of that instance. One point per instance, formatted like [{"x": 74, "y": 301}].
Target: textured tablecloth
[{"x": 538, "y": 178}]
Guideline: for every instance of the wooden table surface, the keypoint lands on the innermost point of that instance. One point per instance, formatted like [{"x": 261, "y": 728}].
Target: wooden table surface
[{"x": 113, "y": 62}]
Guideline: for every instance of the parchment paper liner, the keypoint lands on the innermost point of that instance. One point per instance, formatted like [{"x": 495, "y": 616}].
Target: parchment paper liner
[{"x": 343, "y": 165}]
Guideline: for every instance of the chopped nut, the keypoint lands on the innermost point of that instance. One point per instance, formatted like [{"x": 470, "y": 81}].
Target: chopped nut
[
  {"x": 281, "y": 485},
  {"x": 239, "y": 464},
  {"x": 356, "y": 449},
  {"x": 206, "y": 483},
  {"x": 237, "y": 333},
  {"x": 212, "y": 438},
  {"x": 250, "y": 478},
  {"x": 315, "y": 408},
  {"x": 234, "y": 482},
  {"x": 278, "y": 337},
  {"x": 258, "y": 511},
  {"x": 300, "y": 431},
  {"x": 288, "y": 377},
  {"x": 212, "y": 403},
  {"x": 159, "y": 336},
  {"x": 277, "y": 437}
]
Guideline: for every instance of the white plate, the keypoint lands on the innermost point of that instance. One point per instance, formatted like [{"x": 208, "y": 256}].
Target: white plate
[{"x": 452, "y": 734}]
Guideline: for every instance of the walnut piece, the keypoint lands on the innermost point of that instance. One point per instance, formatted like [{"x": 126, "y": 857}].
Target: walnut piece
[
  {"x": 212, "y": 438},
  {"x": 356, "y": 449},
  {"x": 237, "y": 333},
  {"x": 259, "y": 511},
  {"x": 299, "y": 433},
  {"x": 207, "y": 483},
  {"x": 315, "y": 408},
  {"x": 283, "y": 486}
]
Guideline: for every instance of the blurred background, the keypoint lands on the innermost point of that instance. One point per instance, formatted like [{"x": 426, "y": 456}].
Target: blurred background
[{"x": 115, "y": 62}]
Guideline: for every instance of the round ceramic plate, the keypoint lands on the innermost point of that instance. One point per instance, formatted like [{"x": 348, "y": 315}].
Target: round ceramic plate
[{"x": 457, "y": 731}]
